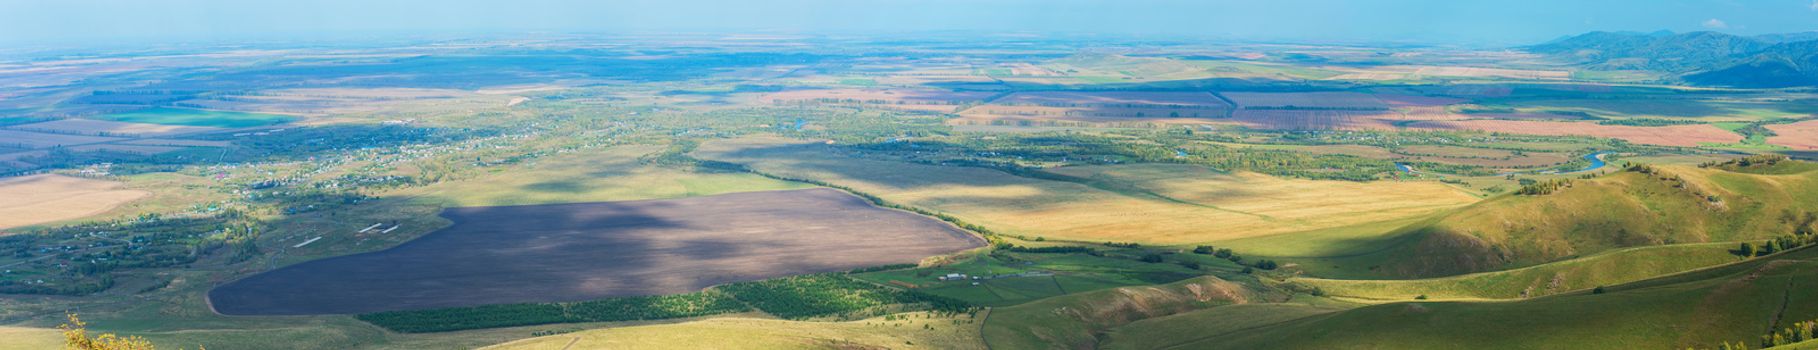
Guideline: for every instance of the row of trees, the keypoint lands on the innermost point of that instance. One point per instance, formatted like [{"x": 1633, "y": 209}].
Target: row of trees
[
  {"x": 1541, "y": 188},
  {"x": 825, "y": 295},
  {"x": 509, "y": 315},
  {"x": 1227, "y": 254}
]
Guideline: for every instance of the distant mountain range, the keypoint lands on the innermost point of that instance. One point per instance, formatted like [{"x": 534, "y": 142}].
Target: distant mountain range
[{"x": 1701, "y": 58}]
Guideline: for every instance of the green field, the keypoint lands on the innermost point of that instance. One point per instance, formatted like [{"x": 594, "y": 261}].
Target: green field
[{"x": 197, "y": 117}]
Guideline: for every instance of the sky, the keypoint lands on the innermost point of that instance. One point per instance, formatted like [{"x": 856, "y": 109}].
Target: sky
[{"x": 1467, "y": 22}]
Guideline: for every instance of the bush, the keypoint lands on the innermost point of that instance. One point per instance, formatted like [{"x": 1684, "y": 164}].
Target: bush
[
  {"x": 1151, "y": 258},
  {"x": 808, "y": 296}
]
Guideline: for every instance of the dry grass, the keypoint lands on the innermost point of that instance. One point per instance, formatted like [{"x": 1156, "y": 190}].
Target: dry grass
[
  {"x": 25, "y": 338},
  {"x": 1218, "y": 206},
  {"x": 40, "y": 199},
  {"x": 1284, "y": 204},
  {"x": 908, "y": 331}
]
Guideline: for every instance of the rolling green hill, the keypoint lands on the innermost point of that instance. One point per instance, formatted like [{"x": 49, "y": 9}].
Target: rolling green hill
[
  {"x": 1664, "y": 205},
  {"x": 1736, "y": 302},
  {"x": 1075, "y": 321}
]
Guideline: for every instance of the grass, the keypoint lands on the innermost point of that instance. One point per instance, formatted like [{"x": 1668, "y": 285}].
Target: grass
[
  {"x": 918, "y": 330},
  {"x": 1072, "y": 321},
  {"x": 28, "y": 338},
  {"x": 1735, "y": 302},
  {"x": 1624, "y": 209},
  {"x": 610, "y": 175},
  {"x": 1611, "y": 268},
  {"x": 1160, "y": 332},
  {"x": 197, "y": 117}
]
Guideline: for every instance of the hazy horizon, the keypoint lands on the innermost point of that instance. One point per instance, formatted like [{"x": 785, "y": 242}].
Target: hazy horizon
[{"x": 78, "y": 23}]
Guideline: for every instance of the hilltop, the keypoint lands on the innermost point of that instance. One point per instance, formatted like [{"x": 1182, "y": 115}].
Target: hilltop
[
  {"x": 1640, "y": 206},
  {"x": 1733, "y": 303}
]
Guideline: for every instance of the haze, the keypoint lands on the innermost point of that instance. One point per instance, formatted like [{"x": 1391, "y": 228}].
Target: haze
[{"x": 1481, "y": 23}]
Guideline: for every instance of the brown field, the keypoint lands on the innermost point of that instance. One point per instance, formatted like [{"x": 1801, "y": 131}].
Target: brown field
[
  {"x": 1476, "y": 72},
  {"x": 1799, "y": 136},
  {"x": 908, "y": 99},
  {"x": 1090, "y": 113},
  {"x": 570, "y": 252},
  {"x": 1102, "y": 107},
  {"x": 1675, "y": 135},
  {"x": 38, "y": 199},
  {"x": 1317, "y": 119},
  {"x": 26, "y": 139},
  {"x": 1208, "y": 206},
  {"x": 325, "y": 101},
  {"x": 111, "y": 128},
  {"x": 1349, "y": 100},
  {"x": 1124, "y": 99}
]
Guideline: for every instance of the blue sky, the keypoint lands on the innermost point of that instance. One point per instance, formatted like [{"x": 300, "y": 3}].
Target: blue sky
[{"x": 1433, "y": 21}]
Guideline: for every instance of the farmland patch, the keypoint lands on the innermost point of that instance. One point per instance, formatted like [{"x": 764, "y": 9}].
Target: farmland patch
[
  {"x": 48, "y": 198},
  {"x": 568, "y": 252}
]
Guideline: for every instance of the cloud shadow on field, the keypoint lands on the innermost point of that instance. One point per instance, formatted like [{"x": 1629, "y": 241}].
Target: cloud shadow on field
[{"x": 584, "y": 251}]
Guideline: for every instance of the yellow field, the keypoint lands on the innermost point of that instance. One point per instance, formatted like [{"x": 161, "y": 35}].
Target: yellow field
[
  {"x": 909, "y": 331},
  {"x": 40, "y": 199},
  {"x": 1205, "y": 205},
  {"x": 1275, "y": 204},
  {"x": 24, "y": 338}
]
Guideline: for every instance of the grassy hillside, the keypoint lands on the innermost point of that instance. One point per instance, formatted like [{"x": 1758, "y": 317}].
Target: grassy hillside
[
  {"x": 1606, "y": 269},
  {"x": 1667, "y": 205},
  {"x": 1733, "y": 303},
  {"x": 1163, "y": 331},
  {"x": 1074, "y": 321}
]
